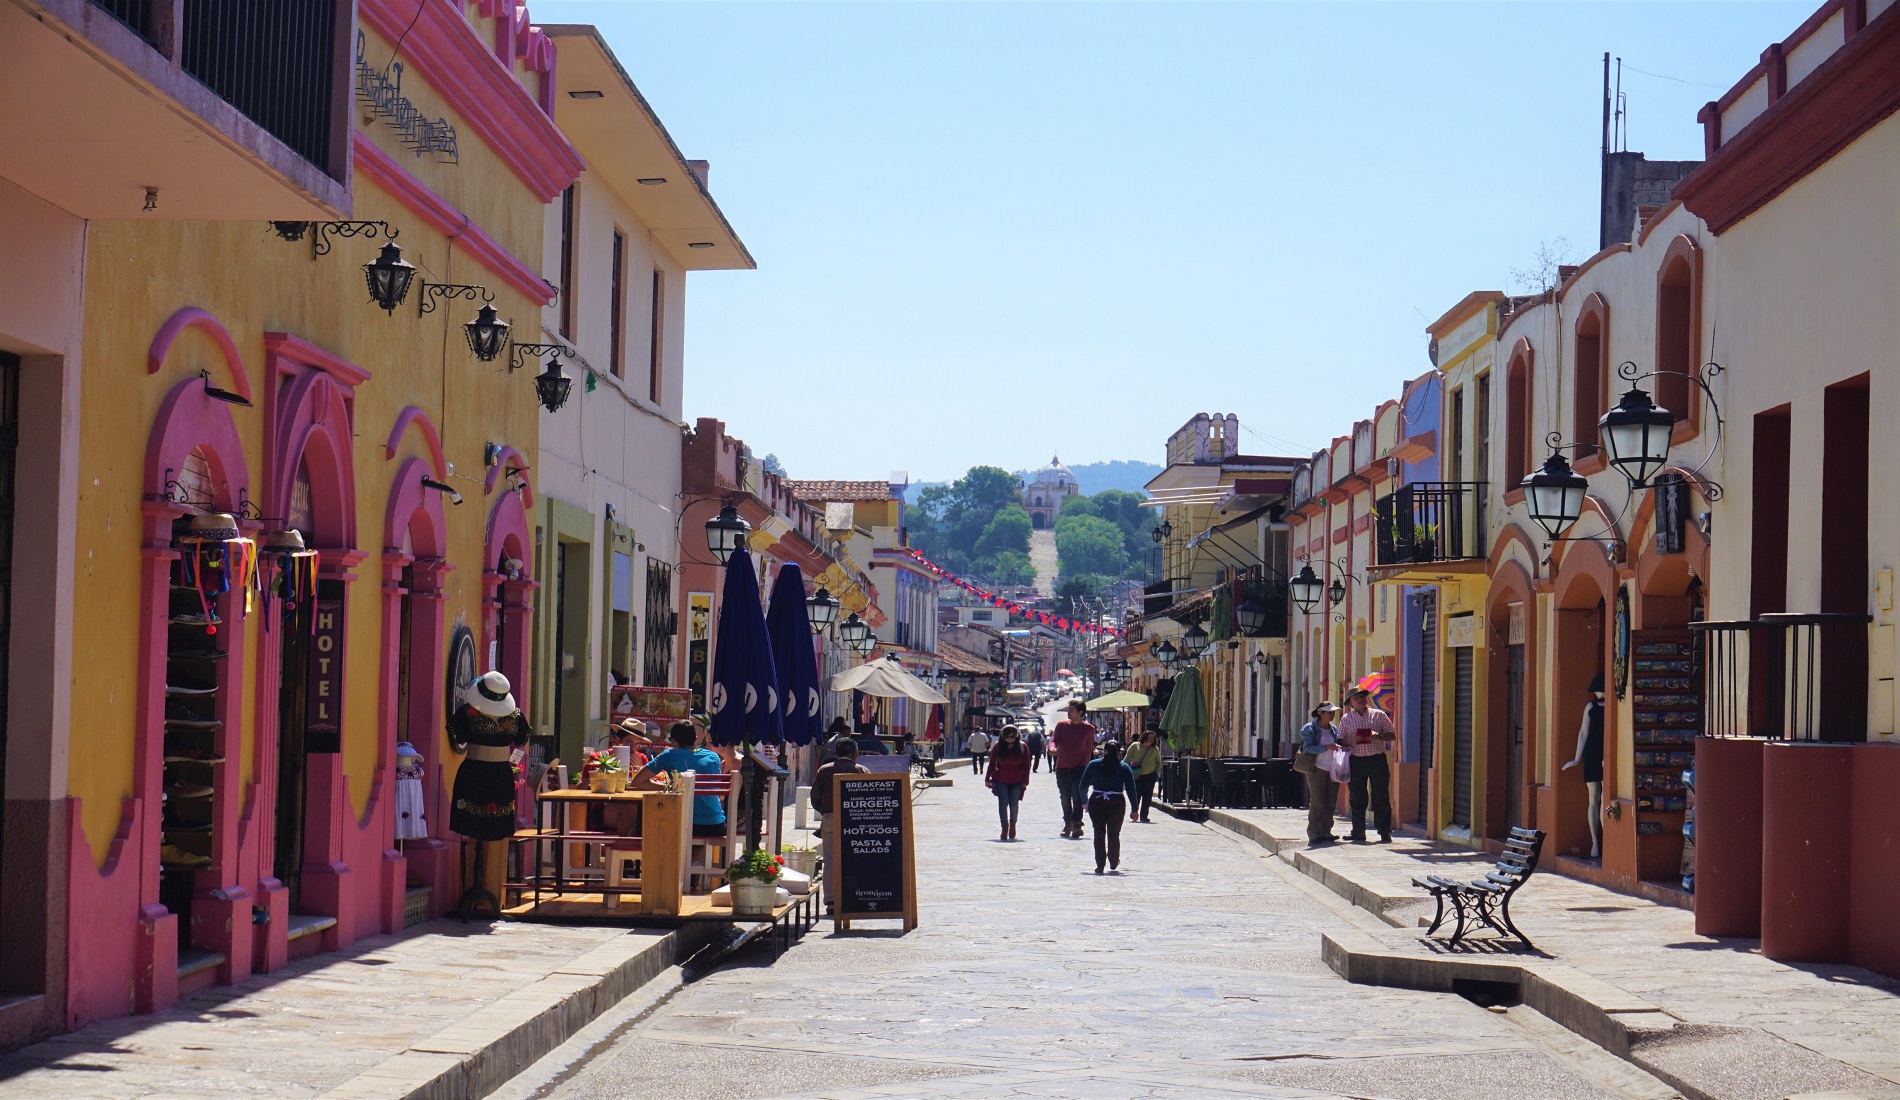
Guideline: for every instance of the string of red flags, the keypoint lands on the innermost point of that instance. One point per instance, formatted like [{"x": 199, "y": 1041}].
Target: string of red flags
[{"x": 1046, "y": 618}]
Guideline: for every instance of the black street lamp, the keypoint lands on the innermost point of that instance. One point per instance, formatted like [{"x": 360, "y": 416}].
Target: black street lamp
[
  {"x": 1336, "y": 592},
  {"x": 487, "y": 335},
  {"x": 552, "y": 386},
  {"x": 1252, "y": 618},
  {"x": 389, "y": 277},
  {"x": 822, "y": 608},
  {"x": 724, "y": 533},
  {"x": 1636, "y": 436},
  {"x": 1165, "y": 654},
  {"x": 1194, "y": 642},
  {"x": 853, "y": 631},
  {"x": 1554, "y": 495},
  {"x": 1306, "y": 589}
]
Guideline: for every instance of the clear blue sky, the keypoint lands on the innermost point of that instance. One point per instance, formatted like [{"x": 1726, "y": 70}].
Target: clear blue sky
[{"x": 989, "y": 231}]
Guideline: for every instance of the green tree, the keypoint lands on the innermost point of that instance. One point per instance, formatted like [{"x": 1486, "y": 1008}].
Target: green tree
[
  {"x": 1007, "y": 530},
  {"x": 1010, "y": 568},
  {"x": 953, "y": 517},
  {"x": 1072, "y": 589},
  {"x": 1090, "y": 544}
]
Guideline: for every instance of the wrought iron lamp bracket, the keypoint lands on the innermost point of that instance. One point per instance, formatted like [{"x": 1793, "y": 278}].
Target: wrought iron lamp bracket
[
  {"x": 321, "y": 232},
  {"x": 1631, "y": 373},
  {"x": 247, "y": 509},
  {"x": 523, "y": 352},
  {"x": 432, "y": 292}
]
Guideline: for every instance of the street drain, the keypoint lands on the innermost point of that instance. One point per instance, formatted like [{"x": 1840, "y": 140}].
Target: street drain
[{"x": 1487, "y": 994}]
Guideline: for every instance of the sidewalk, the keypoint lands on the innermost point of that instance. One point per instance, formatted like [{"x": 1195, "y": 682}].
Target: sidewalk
[
  {"x": 442, "y": 1009},
  {"x": 1734, "y": 1024}
]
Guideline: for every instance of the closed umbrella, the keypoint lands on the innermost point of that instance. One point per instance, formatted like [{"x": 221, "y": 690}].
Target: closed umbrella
[
  {"x": 789, "y": 625},
  {"x": 744, "y": 700},
  {"x": 1185, "y": 720}
]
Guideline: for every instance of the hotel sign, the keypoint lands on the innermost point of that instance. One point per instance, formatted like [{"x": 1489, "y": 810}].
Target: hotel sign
[{"x": 323, "y": 701}]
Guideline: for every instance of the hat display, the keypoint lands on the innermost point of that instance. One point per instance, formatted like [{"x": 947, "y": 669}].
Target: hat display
[
  {"x": 211, "y": 527},
  {"x": 491, "y": 694}
]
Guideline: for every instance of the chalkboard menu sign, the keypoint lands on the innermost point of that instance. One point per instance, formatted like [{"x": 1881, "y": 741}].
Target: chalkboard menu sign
[{"x": 876, "y": 874}]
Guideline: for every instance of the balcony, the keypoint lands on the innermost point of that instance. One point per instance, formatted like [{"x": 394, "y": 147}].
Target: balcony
[
  {"x": 1157, "y": 597},
  {"x": 1431, "y": 521},
  {"x": 1785, "y": 677},
  {"x": 226, "y": 109}
]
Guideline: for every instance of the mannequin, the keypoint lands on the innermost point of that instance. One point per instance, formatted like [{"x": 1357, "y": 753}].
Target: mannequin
[
  {"x": 486, "y": 727},
  {"x": 1590, "y": 758}
]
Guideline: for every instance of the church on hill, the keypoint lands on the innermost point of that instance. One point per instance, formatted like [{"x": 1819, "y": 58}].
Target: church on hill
[{"x": 1047, "y": 490}]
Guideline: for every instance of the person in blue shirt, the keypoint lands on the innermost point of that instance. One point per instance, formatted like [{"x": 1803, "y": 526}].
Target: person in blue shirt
[
  {"x": 709, "y": 810},
  {"x": 1107, "y": 788}
]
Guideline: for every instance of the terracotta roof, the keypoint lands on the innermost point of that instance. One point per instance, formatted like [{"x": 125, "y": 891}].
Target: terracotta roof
[
  {"x": 829, "y": 491},
  {"x": 959, "y": 660}
]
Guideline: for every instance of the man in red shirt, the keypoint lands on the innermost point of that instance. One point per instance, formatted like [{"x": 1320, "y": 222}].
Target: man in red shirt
[{"x": 1074, "y": 747}]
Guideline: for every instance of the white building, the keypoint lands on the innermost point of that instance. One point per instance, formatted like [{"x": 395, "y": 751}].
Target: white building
[{"x": 1048, "y": 489}]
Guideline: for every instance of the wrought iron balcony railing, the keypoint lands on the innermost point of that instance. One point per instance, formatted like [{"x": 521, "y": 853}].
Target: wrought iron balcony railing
[
  {"x": 1795, "y": 677},
  {"x": 1431, "y": 521},
  {"x": 275, "y": 62}
]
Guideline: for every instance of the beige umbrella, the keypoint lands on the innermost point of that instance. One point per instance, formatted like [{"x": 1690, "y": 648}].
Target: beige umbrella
[
  {"x": 1117, "y": 700},
  {"x": 886, "y": 679}
]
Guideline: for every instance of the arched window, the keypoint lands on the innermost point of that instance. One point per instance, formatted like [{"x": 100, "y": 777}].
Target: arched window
[
  {"x": 1678, "y": 324},
  {"x": 1591, "y": 377},
  {"x": 1517, "y": 415}
]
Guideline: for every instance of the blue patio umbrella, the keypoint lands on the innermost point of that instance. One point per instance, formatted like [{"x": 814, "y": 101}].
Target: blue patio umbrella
[
  {"x": 744, "y": 700},
  {"x": 789, "y": 625}
]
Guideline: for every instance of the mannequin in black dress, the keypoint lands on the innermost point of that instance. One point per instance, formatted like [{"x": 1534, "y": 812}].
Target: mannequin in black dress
[
  {"x": 1590, "y": 758},
  {"x": 486, "y": 728}
]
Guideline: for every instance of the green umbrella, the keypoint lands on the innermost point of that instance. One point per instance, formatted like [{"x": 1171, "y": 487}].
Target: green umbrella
[{"x": 1185, "y": 720}]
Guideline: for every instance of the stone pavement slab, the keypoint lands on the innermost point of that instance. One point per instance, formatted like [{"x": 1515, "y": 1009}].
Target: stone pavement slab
[
  {"x": 442, "y": 1008},
  {"x": 1826, "y": 1027}
]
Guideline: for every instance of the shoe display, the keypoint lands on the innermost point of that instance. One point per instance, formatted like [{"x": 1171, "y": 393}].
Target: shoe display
[
  {"x": 179, "y": 825},
  {"x": 188, "y": 790},
  {"x": 177, "y": 754},
  {"x": 171, "y": 856}
]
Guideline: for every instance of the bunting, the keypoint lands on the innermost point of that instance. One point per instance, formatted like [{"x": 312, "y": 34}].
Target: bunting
[{"x": 1044, "y": 617}]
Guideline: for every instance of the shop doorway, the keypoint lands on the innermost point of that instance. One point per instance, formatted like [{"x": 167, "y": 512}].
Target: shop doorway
[
  {"x": 1462, "y": 735},
  {"x": 1427, "y": 701},
  {"x": 1513, "y": 739},
  {"x": 295, "y": 619},
  {"x": 573, "y": 571}
]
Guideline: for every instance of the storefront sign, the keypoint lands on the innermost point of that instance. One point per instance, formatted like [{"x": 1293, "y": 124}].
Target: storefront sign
[
  {"x": 665, "y": 705},
  {"x": 1461, "y": 631},
  {"x": 871, "y": 835},
  {"x": 323, "y": 703},
  {"x": 1516, "y": 631},
  {"x": 698, "y": 646}
]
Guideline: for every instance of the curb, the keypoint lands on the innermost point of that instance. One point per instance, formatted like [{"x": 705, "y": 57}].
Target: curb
[{"x": 485, "y": 1049}]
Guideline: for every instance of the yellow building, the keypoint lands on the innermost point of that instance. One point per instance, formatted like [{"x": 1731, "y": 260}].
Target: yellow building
[{"x": 234, "y": 781}]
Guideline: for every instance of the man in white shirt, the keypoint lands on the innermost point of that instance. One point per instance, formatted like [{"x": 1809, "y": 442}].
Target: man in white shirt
[
  {"x": 1367, "y": 734},
  {"x": 979, "y": 746}
]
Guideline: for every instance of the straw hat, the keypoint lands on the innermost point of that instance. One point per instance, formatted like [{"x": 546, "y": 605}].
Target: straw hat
[{"x": 490, "y": 694}]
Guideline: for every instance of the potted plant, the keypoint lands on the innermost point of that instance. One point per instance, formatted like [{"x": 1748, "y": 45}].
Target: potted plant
[
  {"x": 802, "y": 860},
  {"x": 603, "y": 772},
  {"x": 754, "y": 881}
]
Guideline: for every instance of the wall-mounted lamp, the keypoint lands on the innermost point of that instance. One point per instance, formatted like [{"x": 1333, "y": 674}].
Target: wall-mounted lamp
[
  {"x": 444, "y": 488},
  {"x": 389, "y": 276},
  {"x": 724, "y": 533},
  {"x": 320, "y": 233},
  {"x": 551, "y": 385}
]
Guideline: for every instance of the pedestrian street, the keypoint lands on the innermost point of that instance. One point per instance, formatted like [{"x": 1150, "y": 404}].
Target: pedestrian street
[{"x": 1194, "y": 972}]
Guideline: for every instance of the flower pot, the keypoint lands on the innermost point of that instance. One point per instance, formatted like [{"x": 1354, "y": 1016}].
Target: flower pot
[
  {"x": 598, "y": 782},
  {"x": 805, "y": 863},
  {"x": 753, "y": 897},
  {"x": 616, "y": 782}
]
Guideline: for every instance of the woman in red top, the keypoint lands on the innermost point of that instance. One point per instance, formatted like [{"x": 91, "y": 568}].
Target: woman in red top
[{"x": 1008, "y": 777}]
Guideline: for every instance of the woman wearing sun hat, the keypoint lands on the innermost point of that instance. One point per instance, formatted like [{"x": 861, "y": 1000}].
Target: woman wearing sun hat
[{"x": 486, "y": 728}]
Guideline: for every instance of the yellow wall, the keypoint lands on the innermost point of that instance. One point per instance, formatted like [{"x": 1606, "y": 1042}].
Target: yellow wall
[{"x": 138, "y": 274}]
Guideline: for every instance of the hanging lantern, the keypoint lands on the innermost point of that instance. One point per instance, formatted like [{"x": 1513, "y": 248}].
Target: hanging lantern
[
  {"x": 1636, "y": 437},
  {"x": 853, "y": 631},
  {"x": 724, "y": 533},
  {"x": 1306, "y": 589},
  {"x": 211, "y": 527},
  {"x": 1554, "y": 494},
  {"x": 290, "y": 231},
  {"x": 389, "y": 277},
  {"x": 868, "y": 645},
  {"x": 1164, "y": 653},
  {"x": 552, "y": 385},
  {"x": 1194, "y": 643},
  {"x": 1336, "y": 592},
  {"x": 822, "y": 608},
  {"x": 1252, "y": 618},
  {"x": 487, "y": 334}
]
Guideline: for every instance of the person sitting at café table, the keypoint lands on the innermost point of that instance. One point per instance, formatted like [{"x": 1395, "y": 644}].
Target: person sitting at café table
[
  {"x": 634, "y": 735},
  {"x": 709, "y": 810}
]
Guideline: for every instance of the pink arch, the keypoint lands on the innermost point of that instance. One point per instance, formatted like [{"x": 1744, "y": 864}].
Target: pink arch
[
  {"x": 430, "y": 438},
  {"x": 188, "y": 420},
  {"x": 319, "y": 440},
  {"x": 415, "y": 511},
  {"x": 502, "y": 463},
  {"x": 509, "y": 535},
  {"x": 193, "y": 317}
]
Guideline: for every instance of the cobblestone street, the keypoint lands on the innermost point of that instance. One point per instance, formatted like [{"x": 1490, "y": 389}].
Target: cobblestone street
[{"x": 1194, "y": 973}]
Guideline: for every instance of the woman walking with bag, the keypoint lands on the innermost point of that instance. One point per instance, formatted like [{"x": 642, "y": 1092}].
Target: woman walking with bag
[
  {"x": 1144, "y": 759},
  {"x": 1107, "y": 787},
  {"x": 1008, "y": 777},
  {"x": 1322, "y": 793}
]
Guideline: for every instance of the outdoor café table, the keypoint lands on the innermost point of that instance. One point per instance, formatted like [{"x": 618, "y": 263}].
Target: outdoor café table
[{"x": 665, "y": 831}]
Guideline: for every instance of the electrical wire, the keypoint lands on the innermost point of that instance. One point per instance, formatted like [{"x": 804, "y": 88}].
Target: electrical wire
[{"x": 1677, "y": 79}]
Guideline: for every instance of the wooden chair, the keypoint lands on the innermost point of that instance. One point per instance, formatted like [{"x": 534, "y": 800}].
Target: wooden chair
[
  {"x": 621, "y": 854},
  {"x": 699, "y": 860}
]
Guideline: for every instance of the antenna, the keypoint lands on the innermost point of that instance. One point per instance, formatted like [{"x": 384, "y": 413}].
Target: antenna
[
  {"x": 1622, "y": 112},
  {"x": 1603, "y": 185}
]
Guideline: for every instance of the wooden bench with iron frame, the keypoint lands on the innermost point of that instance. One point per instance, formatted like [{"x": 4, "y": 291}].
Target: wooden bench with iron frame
[{"x": 1488, "y": 899}]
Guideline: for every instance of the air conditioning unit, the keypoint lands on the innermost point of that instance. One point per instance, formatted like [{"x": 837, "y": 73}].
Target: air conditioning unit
[{"x": 1393, "y": 467}]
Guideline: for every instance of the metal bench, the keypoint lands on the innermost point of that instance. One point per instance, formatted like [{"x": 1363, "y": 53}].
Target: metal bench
[{"x": 1488, "y": 899}]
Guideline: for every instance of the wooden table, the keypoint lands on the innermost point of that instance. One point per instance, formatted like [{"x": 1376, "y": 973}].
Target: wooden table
[{"x": 666, "y": 831}]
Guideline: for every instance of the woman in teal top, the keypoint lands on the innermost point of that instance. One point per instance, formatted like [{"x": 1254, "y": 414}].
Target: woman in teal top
[
  {"x": 709, "y": 810},
  {"x": 1107, "y": 787}
]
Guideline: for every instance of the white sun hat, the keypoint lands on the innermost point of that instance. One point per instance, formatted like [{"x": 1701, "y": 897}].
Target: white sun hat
[{"x": 490, "y": 694}]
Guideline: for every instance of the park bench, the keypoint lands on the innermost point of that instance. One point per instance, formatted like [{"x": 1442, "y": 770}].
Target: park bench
[{"x": 1487, "y": 899}]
